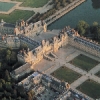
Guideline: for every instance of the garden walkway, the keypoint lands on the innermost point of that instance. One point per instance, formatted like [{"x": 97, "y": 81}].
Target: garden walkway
[
  {"x": 43, "y": 9},
  {"x": 85, "y": 75}
]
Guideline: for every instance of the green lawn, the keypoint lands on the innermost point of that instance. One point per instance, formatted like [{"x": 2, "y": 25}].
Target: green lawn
[
  {"x": 33, "y": 3},
  {"x": 98, "y": 74},
  {"x": 16, "y": 15},
  {"x": 84, "y": 62},
  {"x": 65, "y": 74},
  {"x": 91, "y": 88}
]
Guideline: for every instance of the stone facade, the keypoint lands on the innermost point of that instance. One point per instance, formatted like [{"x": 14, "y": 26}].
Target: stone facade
[
  {"x": 10, "y": 31},
  {"x": 38, "y": 53},
  {"x": 66, "y": 36},
  {"x": 42, "y": 41}
]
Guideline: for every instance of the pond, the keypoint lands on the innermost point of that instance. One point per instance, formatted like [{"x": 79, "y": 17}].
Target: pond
[
  {"x": 88, "y": 11},
  {"x": 6, "y": 6}
]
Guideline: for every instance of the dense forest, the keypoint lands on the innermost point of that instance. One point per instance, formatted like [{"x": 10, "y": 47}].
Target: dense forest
[{"x": 8, "y": 87}]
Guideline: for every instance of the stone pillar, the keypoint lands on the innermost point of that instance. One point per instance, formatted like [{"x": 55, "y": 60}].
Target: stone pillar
[{"x": 45, "y": 27}]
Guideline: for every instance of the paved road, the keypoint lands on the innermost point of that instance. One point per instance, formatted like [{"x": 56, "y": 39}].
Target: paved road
[{"x": 95, "y": 69}]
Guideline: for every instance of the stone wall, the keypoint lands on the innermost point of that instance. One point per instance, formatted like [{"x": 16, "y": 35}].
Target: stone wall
[
  {"x": 63, "y": 38},
  {"x": 37, "y": 54},
  {"x": 83, "y": 47}
]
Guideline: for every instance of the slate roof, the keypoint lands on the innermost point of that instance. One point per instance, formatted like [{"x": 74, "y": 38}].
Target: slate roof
[
  {"x": 7, "y": 25},
  {"x": 21, "y": 69}
]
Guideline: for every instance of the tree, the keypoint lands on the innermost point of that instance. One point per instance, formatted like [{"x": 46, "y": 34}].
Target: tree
[
  {"x": 4, "y": 98},
  {"x": 95, "y": 29},
  {"x": 14, "y": 95},
  {"x": 3, "y": 52},
  {"x": 0, "y": 64},
  {"x": 1, "y": 88},
  {"x": 13, "y": 57},
  {"x": 58, "y": 5},
  {"x": 7, "y": 94},
  {"x": 8, "y": 58},
  {"x": 98, "y": 31},
  {"x": 2, "y": 81},
  {"x": 8, "y": 55},
  {"x": 7, "y": 77},
  {"x": 8, "y": 86},
  {"x": 8, "y": 52},
  {"x": 82, "y": 27},
  {"x": 55, "y": 1},
  {"x": 63, "y": 2},
  {"x": 19, "y": 98},
  {"x": 10, "y": 98},
  {"x": 95, "y": 24},
  {"x": 70, "y": 1}
]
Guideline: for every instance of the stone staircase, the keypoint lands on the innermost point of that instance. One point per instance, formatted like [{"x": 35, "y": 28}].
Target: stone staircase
[{"x": 48, "y": 57}]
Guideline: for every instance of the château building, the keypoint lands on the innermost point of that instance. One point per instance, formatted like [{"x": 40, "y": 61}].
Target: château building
[
  {"x": 10, "y": 33},
  {"x": 42, "y": 42}
]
